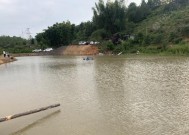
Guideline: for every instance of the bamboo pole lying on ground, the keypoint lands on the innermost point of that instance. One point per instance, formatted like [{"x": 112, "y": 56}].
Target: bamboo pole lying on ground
[{"x": 28, "y": 113}]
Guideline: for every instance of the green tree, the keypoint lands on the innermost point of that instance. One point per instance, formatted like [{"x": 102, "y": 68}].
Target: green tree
[
  {"x": 132, "y": 12},
  {"x": 154, "y": 3},
  {"x": 84, "y": 30},
  {"x": 138, "y": 13},
  {"x": 110, "y": 16},
  {"x": 57, "y": 35}
]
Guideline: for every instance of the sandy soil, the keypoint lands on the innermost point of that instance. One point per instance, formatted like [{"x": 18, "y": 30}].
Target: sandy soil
[
  {"x": 77, "y": 50},
  {"x": 6, "y": 60}
]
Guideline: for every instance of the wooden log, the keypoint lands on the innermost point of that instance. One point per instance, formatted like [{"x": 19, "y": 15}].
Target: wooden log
[{"x": 28, "y": 113}]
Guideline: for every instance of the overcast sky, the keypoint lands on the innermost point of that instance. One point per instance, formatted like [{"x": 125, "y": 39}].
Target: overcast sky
[{"x": 17, "y": 15}]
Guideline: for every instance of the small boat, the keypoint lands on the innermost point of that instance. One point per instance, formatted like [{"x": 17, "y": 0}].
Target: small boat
[{"x": 88, "y": 58}]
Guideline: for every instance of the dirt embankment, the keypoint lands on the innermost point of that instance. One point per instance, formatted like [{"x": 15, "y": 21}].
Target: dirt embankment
[
  {"x": 77, "y": 50},
  {"x": 6, "y": 59},
  {"x": 64, "y": 50}
]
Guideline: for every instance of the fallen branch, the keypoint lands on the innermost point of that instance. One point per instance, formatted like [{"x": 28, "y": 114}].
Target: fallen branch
[{"x": 28, "y": 113}]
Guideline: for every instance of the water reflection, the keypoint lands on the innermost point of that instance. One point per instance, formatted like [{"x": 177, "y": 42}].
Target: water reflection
[
  {"x": 111, "y": 93},
  {"x": 36, "y": 123}
]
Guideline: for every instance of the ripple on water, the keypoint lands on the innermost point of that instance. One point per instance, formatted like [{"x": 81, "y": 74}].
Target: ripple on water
[{"x": 109, "y": 96}]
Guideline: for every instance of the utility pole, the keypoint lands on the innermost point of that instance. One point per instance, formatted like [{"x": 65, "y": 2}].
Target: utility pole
[
  {"x": 28, "y": 36},
  {"x": 28, "y": 33}
]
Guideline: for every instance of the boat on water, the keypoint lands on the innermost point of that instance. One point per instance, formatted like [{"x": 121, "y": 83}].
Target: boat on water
[{"x": 88, "y": 58}]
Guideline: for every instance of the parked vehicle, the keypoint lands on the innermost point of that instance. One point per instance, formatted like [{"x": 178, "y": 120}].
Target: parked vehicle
[
  {"x": 82, "y": 43},
  {"x": 92, "y": 43},
  {"x": 88, "y": 43},
  {"x": 96, "y": 43},
  {"x": 37, "y": 50},
  {"x": 48, "y": 50}
]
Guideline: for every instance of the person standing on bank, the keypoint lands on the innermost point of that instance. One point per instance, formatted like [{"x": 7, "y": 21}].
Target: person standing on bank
[
  {"x": 4, "y": 53},
  {"x": 8, "y": 55}
]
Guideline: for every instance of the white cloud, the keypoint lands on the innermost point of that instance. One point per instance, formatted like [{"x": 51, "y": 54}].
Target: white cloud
[
  {"x": 5, "y": 2},
  {"x": 17, "y": 15}
]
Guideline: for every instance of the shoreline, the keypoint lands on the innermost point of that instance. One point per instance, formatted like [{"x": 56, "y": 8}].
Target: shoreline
[
  {"x": 70, "y": 50},
  {"x": 4, "y": 60}
]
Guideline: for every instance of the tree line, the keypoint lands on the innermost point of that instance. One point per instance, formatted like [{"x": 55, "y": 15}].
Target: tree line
[
  {"x": 108, "y": 19},
  {"x": 16, "y": 44}
]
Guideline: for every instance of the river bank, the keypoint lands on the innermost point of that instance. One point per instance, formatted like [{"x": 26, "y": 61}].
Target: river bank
[
  {"x": 29, "y": 54},
  {"x": 76, "y": 50},
  {"x": 81, "y": 50},
  {"x": 4, "y": 60}
]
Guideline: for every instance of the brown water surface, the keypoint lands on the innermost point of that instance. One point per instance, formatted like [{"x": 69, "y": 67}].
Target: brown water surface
[{"x": 106, "y": 96}]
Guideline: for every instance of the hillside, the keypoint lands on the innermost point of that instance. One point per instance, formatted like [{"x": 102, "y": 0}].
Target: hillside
[{"x": 171, "y": 27}]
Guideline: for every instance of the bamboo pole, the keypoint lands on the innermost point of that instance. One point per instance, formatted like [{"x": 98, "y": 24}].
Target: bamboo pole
[{"x": 28, "y": 113}]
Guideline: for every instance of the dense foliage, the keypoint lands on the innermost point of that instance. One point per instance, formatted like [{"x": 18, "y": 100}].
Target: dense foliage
[
  {"x": 110, "y": 17},
  {"x": 15, "y": 44},
  {"x": 58, "y": 34}
]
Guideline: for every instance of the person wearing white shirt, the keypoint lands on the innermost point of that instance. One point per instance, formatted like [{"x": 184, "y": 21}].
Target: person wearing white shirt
[{"x": 4, "y": 53}]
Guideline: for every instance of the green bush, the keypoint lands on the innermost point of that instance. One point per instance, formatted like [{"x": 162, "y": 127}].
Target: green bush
[
  {"x": 139, "y": 38},
  {"x": 119, "y": 48},
  {"x": 185, "y": 30},
  {"x": 177, "y": 40},
  {"x": 157, "y": 39},
  {"x": 106, "y": 46},
  {"x": 127, "y": 45},
  {"x": 147, "y": 40},
  {"x": 149, "y": 49},
  {"x": 179, "y": 49},
  {"x": 172, "y": 36}
]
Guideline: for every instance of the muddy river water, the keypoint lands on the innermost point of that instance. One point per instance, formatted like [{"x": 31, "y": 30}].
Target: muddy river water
[{"x": 104, "y": 96}]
